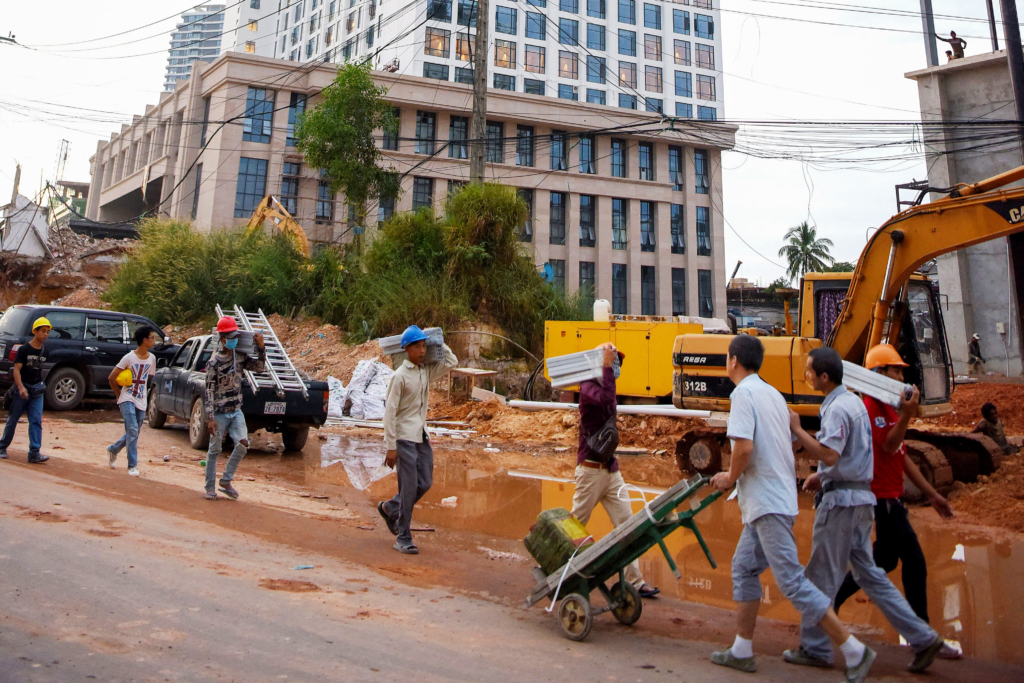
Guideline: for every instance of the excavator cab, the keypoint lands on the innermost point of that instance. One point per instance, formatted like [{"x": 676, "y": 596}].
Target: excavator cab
[{"x": 922, "y": 344}]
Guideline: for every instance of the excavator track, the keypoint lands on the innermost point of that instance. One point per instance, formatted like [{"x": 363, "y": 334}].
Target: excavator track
[
  {"x": 933, "y": 465},
  {"x": 968, "y": 455}
]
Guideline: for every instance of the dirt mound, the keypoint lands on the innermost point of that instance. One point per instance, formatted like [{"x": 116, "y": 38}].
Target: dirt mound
[
  {"x": 995, "y": 500},
  {"x": 82, "y": 298},
  {"x": 319, "y": 350},
  {"x": 968, "y": 399},
  {"x": 289, "y": 585}
]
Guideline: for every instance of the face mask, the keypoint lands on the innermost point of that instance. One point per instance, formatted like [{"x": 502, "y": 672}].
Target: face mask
[
  {"x": 616, "y": 368},
  {"x": 231, "y": 343}
]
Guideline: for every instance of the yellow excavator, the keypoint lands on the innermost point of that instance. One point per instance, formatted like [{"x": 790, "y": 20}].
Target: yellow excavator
[
  {"x": 883, "y": 300},
  {"x": 283, "y": 221}
]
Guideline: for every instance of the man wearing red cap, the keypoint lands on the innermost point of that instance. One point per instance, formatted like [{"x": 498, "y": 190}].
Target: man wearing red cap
[{"x": 223, "y": 400}]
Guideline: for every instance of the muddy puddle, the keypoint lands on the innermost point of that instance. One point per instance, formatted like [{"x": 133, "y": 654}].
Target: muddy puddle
[{"x": 974, "y": 582}]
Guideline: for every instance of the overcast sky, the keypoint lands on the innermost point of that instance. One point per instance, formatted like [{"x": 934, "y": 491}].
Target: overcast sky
[{"x": 820, "y": 66}]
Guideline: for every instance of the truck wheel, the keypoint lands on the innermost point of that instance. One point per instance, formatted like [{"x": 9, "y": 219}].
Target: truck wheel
[
  {"x": 198, "y": 435},
  {"x": 294, "y": 438},
  {"x": 65, "y": 389},
  {"x": 154, "y": 416}
]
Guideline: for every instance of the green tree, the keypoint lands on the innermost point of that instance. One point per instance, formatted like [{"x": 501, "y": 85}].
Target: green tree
[
  {"x": 841, "y": 267},
  {"x": 805, "y": 253},
  {"x": 337, "y": 136},
  {"x": 778, "y": 283}
]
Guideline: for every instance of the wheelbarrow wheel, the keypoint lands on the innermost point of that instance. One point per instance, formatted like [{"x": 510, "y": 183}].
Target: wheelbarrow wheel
[
  {"x": 627, "y": 597},
  {"x": 575, "y": 616}
]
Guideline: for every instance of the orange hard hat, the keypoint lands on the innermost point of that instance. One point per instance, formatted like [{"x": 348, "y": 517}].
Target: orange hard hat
[
  {"x": 882, "y": 355},
  {"x": 227, "y": 324}
]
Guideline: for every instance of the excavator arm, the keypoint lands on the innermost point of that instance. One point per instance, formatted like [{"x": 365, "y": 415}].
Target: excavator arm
[
  {"x": 971, "y": 214},
  {"x": 283, "y": 221}
]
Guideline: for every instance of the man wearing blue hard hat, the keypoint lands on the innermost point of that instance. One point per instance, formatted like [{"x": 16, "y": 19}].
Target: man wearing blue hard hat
[{"x": 405, "y": 433}]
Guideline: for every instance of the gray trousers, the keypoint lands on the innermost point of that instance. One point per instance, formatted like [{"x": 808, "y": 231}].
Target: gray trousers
[
  {"x": 842, "y": 537},
  {"x": 415, "y": 469},
  {"x": 768, "y": 541}
]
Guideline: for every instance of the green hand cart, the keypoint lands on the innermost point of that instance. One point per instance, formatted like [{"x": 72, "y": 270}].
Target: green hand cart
[{"x": 569, "y": 587}]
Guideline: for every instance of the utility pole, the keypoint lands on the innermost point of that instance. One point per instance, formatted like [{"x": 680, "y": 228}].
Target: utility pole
[
  {"x": 478, "y": 124},
  {"x": 992, "y": 26},
  {"x": 931, "y": 50},
  {"x": 1015, "y": 60}
]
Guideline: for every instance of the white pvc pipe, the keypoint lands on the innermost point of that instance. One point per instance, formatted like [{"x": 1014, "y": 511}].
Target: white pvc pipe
[{"x": 653, "y": 410}]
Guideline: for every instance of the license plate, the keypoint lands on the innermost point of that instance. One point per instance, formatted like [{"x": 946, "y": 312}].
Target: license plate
[{"x": 274, "y": 407}]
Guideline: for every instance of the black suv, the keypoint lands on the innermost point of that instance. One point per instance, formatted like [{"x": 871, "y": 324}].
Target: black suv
[{"x": 83, "y": 347}]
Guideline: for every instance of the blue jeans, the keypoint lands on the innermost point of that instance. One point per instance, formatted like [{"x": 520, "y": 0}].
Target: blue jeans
[
  {"x": 33, "y": 405},
  {"x": 133, "y": 418},
  {"x": 232, "y": 424}
]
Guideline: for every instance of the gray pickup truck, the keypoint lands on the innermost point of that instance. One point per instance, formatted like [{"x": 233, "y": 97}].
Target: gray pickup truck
[{"x": 178, "y": 390}]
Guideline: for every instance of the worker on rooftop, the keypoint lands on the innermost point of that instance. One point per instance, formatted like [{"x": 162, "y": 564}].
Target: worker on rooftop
[
  {"x": 405, "y": 433},
  {"x": 958, "y": 44}
]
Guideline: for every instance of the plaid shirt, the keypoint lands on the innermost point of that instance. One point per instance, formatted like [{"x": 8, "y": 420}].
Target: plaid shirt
[{"x": 224, "y": 379}]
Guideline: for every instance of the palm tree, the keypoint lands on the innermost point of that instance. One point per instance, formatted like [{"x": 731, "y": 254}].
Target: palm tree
[{"x": 805, "y": 253}]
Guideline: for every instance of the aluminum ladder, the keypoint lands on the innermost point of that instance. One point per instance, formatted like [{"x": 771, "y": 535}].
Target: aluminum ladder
[{"x": 280, "y": 374}]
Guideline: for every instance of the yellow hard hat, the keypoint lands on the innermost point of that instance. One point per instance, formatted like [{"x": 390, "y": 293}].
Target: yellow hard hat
[
  {"x": 41, "y": 322},
  {"x": 882, "y": 355},
  {"x": 124, "y": 378}
]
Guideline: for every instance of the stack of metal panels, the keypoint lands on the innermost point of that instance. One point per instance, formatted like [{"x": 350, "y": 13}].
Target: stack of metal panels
[
  {"x": 392, "y": 346},
  {"x": 573, "y": 368},
  {"x": 246, "y": 344},
  {"x": 874, "y": 384}
]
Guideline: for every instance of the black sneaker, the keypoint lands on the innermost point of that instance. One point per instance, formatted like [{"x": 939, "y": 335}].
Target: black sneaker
[
  {"x": 392, "y": 525},
  {"x": 38, "y": 458},
  {"x": 924, "y": 658},
  {"x": 228, "y": 490}
]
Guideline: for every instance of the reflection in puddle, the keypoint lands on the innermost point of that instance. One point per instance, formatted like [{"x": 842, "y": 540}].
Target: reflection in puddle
[{"x": 974, "y": 586}]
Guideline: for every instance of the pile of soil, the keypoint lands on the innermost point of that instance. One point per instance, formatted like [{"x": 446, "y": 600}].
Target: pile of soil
[
  {"x": 968, "y": 399},
  {"x": 995, "y": 500},
  {"x": 319, "y": 351}
]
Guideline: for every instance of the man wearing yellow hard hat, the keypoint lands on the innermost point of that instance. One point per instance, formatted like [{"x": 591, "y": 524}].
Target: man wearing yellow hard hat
[{"x": 28, "y": 391}]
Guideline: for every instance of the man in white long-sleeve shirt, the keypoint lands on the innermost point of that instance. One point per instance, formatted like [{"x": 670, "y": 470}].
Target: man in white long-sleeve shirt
[{"x": 405, "y": 433}]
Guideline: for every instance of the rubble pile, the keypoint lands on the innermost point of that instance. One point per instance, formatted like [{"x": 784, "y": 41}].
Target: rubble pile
[{"x": 994, "y": 500}]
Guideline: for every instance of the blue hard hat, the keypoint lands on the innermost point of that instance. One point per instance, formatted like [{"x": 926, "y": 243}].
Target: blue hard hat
[{"x": 412, "y": 335}]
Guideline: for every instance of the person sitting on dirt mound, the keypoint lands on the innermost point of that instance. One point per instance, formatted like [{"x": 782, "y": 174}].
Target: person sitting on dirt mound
[
  {"x": 405, "y": 433},
  {"x": 598, "y": 479},
  {"x": 991, "y": 426}
]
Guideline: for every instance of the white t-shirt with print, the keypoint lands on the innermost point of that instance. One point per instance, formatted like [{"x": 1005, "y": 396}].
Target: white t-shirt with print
[{"x": 142, "y": 370}]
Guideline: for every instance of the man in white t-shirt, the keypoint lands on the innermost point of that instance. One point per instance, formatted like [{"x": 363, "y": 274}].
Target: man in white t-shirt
[
  {"x": 764, "y": 473},
  {"x": 131, "y": 398}
]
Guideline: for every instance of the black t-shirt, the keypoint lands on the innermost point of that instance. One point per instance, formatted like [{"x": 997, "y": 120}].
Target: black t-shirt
[{"x": 31, "y": 360}]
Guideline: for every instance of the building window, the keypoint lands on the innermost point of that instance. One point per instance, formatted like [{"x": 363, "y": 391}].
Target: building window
[
  {"x": 533, "y": 87},
  {"x": 620, "y": 214},
  {"x": 252, "y": 186},
  {"x": 505, "y": 20},
  {"x": 426, "y": 131},
  {"x": 568, "y": 92},
  {"x": 684, "y": 84},
  {"x": 588, "y": 281},
  {"x": 536, "y": 26},
  {"x": 596, "y": 97},
  {"x": 675, "y": 167},
  {"x": 458, "y": 134},
  {"x": 206, "y": 122},
  {"x": 684, "y": 110},
  {"x": 648, "y": 291},
  {"x": 587, "y": 145},
  {"x": 619, "y": 158},
  {"x": 568, "y": 32},
  {"x": 706, "y": 88},
  {"x": 422, "y": 192},
  {"x": 254, "y": 4},
  {"x": 707, "y": 113},
  {"x": 627, "y": 43},
  {"x": 524, "y": 146},
  {"x": 595, "y": 37},
  {"x": 647, "y": 229},
  {"x": 438, "y": 42},
  {"x": 455, "y": 186},
  {"x": 570, "y": 6},
  {"x": 700, "y": 170},
  {"x": 557, "y": 274},
  {"x": 505, "y": 54},
  {"x": 652, "y": 47},
  {"x": 707, "y": 307},
  {"x": 295, "y": 109},
  {"x": 588, "y": 222},
  {"x": 463, "y": 51},
  {"x": 504, "y": 82},
  {"x": 568, "y": 64},
  {"x": 595, "y": 8},
  {"x": 324, "y": 203},
  {"x": 652, "y": 16},
  {"x": 438, "y": 71},
  {"x": 259, "y": 115},
  {"x": 526, "y": 230},
  {"x": 679, "y": 291},
  {"x": 559, "y": 150},
  {"x": 678, "y": 229},
  {"x": 595, "y": 69},
  {"x": 535, "y": 58},
  {"x": 439, "y": 10},
  {"x": 390, "y": 139},
  {"x": 195, "y": 190},
  {"x": 250, "y": 46},
  {"x": 704, "y": 27},
  {"x": 290, "y": 187},
  {"x": 680, "y": 22},
  {"x": 705, "y": 56},
  {"x": 619, "y": 289},
  {"x": 627, "y": 11},
  {"x": 557, "y": 218},
  {"x": 681, "y": 52},
  {"x": 703, "y": 231},
  {"x": 627, "y": 77},
  {"x": 467, "y": 13},
  {"x": 645, "y": 158},
  {"x": 654, "y": 104},
  {"x": 652, "y": 78},
  {"x": 494, "y": 149}
]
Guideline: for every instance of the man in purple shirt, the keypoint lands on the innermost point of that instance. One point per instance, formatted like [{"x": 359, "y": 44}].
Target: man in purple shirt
[{"x": 598, "y": 482}]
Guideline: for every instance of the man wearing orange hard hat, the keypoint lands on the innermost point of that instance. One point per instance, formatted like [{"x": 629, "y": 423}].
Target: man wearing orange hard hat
[
  {"x": 26, "y": 394},
  {"x": 895, "y": 539}
]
